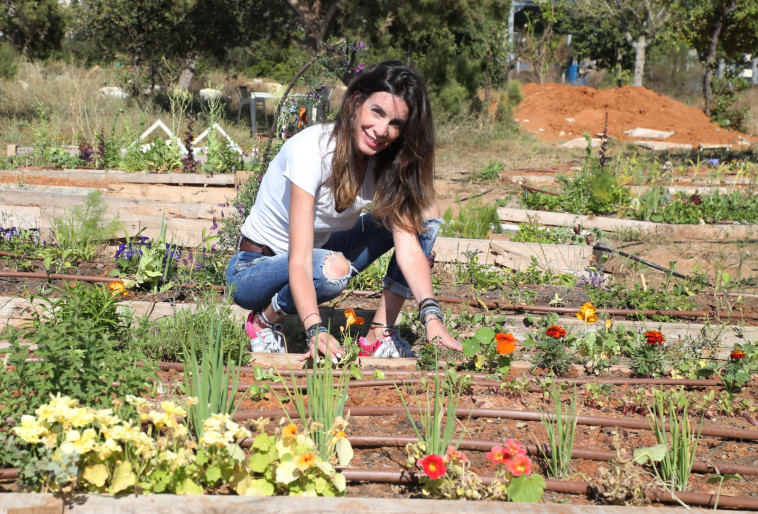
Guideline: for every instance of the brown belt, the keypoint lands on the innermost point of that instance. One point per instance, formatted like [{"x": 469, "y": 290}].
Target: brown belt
[{"x": 248, "y": 245}]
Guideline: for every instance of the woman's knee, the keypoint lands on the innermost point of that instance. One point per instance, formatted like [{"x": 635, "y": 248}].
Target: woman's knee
[{"x": 337, "y": 268}]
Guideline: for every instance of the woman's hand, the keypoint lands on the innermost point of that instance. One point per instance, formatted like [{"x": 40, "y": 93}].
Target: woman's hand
[
  {"x": 324, "y": 339},
  {"x": 437, "y": 333}
]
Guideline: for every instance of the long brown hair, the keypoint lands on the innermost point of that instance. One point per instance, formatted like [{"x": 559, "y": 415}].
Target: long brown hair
[{"x": 405, "y": 170}]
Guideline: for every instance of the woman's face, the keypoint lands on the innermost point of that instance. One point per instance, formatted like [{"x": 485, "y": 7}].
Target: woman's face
[{"x": 379, "y": 121}]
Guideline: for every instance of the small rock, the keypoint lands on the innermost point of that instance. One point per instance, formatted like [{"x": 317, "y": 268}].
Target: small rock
[
  {"x": 525, "y": 121},
  {"x": 113, "y": 91},
  {"x": 569, "y": 120},
  {"x": 540, "y": 130},
  {"x": 521, "y": 424},
  {"x": 562, "y": 133}
]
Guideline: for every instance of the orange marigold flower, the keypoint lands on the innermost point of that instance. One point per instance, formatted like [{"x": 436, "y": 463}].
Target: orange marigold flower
[
  {"x": 519, "y": 465},
  {"x": 556, "y": 331},
  {"x": 117, "y": 287},
  {"x": 352, "y": 319},
  {"x": 433, "y": 466},
  {"x": 654, "y": 337},
  {"x": 305, "y": 460},
  {"x": 737, "y": 355},
  {"x": 506, "y": 343}
]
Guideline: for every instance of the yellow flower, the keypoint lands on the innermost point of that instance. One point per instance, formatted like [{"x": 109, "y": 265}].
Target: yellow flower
[
  {"x": 107, "y": 448},
  {"x": 587, "y": 313},
  {"x": 117, "y": 287},
  {"x": 159, "y": 419},
  {"x": 191, "y": 401},
  {"x": 83, "y": 442},
  {"x": 172, "y": 410},
  {"x": 352, "y": 319},
  {"x": 216, "y": 423},
  {"x": 106, "y": 418},
  {"x": 181, "y": 431},
  {"x": 213, "y": 438},
  {"x": 79, "y": 417},
  {"x": 305, "y": 460},
  {"x": 30, "y": 431},
  {"x": 608, "y": 324}
]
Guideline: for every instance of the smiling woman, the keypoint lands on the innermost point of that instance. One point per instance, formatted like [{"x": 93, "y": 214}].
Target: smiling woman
[{"x": 307, "y": 234}]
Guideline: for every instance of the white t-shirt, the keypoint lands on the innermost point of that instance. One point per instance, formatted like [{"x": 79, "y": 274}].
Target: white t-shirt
[{"x": 306, "y": 161}]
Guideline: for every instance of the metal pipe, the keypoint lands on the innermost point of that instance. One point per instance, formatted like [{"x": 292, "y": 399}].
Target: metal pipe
[{"x": 522, "y": 415}]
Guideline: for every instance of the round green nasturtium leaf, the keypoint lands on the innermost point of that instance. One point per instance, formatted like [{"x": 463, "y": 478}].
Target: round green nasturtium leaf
[{"x": 526, "y": 489}]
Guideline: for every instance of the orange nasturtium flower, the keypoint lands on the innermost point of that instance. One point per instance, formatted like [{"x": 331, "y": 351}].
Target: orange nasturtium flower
[
  {"x": 289, "y": 431},
  {"x": 506, "y": 343},
  {"x": 352, "y": 319},
  {"x": 305, "y": 460},
  {"x": 556, "y": 331},
  {"x": 737, "y": 355},
  {"x": 433, "y": 465},
  {"x": 519, "y": 465},
  {"x": 587, "y": 313},
  {"x": 117, "y": 287},
  {"x": 654, "y": 337}
]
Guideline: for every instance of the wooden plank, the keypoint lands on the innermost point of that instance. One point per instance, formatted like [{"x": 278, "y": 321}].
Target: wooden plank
[
  {"x": 558, "y": 258},
  {"x": 160, "y": 192},
  {"x": 695, "y": 232},
  {"x": 113, "y": 176},
  {"x": 185, "y": 232},
  {"x": 10, "y": 198}
]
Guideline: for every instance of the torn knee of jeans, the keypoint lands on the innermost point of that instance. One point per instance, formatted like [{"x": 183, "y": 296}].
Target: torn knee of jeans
[{"x": 336, "y": 268}]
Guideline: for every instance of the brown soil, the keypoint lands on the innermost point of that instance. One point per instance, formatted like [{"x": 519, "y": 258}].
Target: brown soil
[{"x": 546, "y": 107}]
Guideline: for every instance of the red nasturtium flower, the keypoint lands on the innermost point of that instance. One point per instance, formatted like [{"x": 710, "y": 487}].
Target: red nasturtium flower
[
  {"x": 654, "y": 337},
  {"x": 556, "y": 331},
  {"x": 737, "y": 355},
  {"x": 453, "y": 455},
  {"x": 506, "y": 343},
  {"x": 503, "y": 454},
  {"x": 519, "y": 465},
  {"x": 433, "y": 466}
]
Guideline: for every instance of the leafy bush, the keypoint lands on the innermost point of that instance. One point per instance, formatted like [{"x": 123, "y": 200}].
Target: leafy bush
[
  {"x": 163, "y": 341},
  {"x": 475, "y": 221},
  {"x": 79, "y": 342},
  {"x": 84, "y": 229}
]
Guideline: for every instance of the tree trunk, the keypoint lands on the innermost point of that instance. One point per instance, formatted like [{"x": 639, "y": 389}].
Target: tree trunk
[
  {"x": 185, "y": 79},
  {"x": 640, "y": 46},
  {"x": 710, "y": 59}
]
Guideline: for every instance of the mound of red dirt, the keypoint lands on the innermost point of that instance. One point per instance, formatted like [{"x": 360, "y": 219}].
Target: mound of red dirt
[{"x": 560, "y": 112}]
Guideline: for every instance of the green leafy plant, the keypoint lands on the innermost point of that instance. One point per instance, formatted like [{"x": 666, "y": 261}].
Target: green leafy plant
[
  {"x": 84, "y": 229},
  {"x": 436, "y": 412},
  {"x": 71, "y": 449},
  {"x": 474, "y": 221},
  {"x": 742, "y": 365},
  {"x": 79, "y": 341},
  {"x": 553, "y": 344},
  {"x": 649, "y": 357},
  {"x": 490, "y": 351},
  {"x": 560, "y": 426},
  {"x": 491, "y": 171},
  {"x": 324, "y": 411},
  {"x": 673, "y": 456},
  {"x": 449, "y": 475},
  {"x": 210, "y": 379},
  {"x": 163, "y": 339}
]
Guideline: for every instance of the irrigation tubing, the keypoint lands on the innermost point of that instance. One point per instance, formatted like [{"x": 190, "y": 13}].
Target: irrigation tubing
[
  {"x": 299, "y": 373},
  {"x": 56, "y": 276},
  {"x": 699, "y": 466},
  {"x": 522, "y": 415},
  {"x": 568, "y": 487}
]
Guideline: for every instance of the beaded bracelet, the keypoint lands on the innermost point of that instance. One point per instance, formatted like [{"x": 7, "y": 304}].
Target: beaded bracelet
[
  {"x": 313, "y": 331},
  {"x": 429, "y": 310}
]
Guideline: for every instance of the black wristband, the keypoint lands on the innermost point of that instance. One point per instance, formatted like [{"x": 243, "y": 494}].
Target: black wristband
[{"x": 314, "y": 330}]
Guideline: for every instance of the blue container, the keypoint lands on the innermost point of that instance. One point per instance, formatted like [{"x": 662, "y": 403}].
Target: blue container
[{"x": 573, "y": 71}]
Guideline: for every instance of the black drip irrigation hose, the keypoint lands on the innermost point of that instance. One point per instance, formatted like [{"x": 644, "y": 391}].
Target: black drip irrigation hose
[{"x": 603, "y": 247}]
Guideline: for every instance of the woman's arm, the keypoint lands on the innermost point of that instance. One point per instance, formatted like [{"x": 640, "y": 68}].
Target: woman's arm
[
  {"x": 415, "y": 267},
  {"x": 301, "y": 219}
]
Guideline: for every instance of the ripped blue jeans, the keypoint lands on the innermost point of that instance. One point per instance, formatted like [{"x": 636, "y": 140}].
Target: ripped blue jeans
[{"x": 258, "y": 279}]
